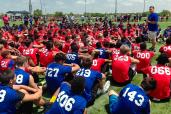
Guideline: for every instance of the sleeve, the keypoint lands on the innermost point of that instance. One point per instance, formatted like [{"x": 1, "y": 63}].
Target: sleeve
[
  {"x": 156, "y": 18},
  {"x": 18, "y": 96},
  {"x": 67, "y": 69},
  {"x": 161, "y": 50},
  {"x": 11, "y": 64},
  {"x": 152, "y": 54}
]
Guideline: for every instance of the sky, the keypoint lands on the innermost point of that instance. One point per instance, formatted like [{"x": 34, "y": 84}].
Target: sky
[{"x": 77, "y": 6}]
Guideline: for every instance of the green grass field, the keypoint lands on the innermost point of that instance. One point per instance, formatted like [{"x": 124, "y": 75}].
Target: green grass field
[{"x": 102, "y": 102}]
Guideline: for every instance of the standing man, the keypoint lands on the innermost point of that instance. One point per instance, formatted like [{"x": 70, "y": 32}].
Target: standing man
[
  {"x": 5, "y": 19},
  {"x": 152, "y": 27}
]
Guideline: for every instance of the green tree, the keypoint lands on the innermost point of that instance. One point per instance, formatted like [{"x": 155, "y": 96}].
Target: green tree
[
  {"x": 37, "y": 12},
  {"x": 58, "y": 14},
  {"x": 165, "y": 13}
]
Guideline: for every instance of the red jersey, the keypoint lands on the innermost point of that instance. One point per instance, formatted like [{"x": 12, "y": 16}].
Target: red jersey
[
  {"x": 120, "y": 68},
  {"x": 135, "y": 46},
  {"x": 6, "y": 64},
  {"x": 144, "y": 57},
  {"x": 46, "y": 57},
  {"x": 31, "y": 52},
  {"x": 66, "y": 47},
  {"x": 97, "y": 64},
  {"x": 166, "y": 49},
  {"x": 162, "y": 74}
]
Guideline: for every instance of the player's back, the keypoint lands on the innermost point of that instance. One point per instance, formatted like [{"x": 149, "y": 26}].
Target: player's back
[
  {"x": 8, "y": 100},
  {"x": 22, "y": 77},
  {"x": 67, "y": 102},
  {"x": 133, "y": 100},
  {"x": 55, "y": 75},
  {"x": 72, "y": 58}
]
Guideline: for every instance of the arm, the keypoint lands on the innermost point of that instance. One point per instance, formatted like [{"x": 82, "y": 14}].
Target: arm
[
  {"x": 32, "y": 83},
  {"x": 33, "y": 97},
  {"x": 20, "y": 87},
  {"x": 135, "y": 61},
  {"x": 75, "y": 67},
  {"x": 112, "y": 92},
  {"x": 37, "y": 69}
]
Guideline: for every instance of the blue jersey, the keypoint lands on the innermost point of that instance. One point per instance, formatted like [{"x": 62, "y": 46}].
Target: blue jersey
[
  {"x": 55, "y": 75},
  {"x": 132, "y": 100},
  {"x": 8, "y": 99},
  {"x": 67, "y": 102},
  {"x": 91, "y": 76},
  {"x": 103, "y": 53},
  {"x": 153, "y": 17},
  {"x": 72, "y": 58},
  {"x": 22, "y": 77}
]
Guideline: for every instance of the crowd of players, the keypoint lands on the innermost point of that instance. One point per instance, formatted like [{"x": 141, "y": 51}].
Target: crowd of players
[{"x": 79, "y": 62}]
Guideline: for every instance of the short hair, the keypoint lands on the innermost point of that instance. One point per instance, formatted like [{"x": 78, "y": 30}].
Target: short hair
[
  {"x": 162, "y": 59},
  {"x": 27, "y": 42},
  {"x": 138, "y": 40},
  {"x": 152, "y": 7},
  {"x": 168, "y": 41},
  {"x": 143, "y": 46},
  {"x": 49, "y": 45},
  {"x": 5, "y": 53},
  {"x": 124, "y": 49},
  {"x": 20, "y": 61},
  {"x": 74, "y": 47},
  {"x": 59, "y": 57},
  {"x": 78, "y": 85},
  {"x": 87, "y": 62},
  {"x": 148, "y": 84},
  {"x": 118, "y": 44},
  {"x": 98, "y": 45},
  {"x": 6, "y": 76}
]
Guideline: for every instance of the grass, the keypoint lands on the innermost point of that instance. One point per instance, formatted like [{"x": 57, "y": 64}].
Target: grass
[{"x": 101, "y": 102}]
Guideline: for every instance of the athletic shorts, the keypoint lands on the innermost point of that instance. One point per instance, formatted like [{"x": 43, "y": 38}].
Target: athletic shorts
[
  {"x": 113, "y": 102},
  {"x": 152, "y": 34}
]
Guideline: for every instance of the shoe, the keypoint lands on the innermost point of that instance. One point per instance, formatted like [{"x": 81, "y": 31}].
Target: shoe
[{"x": 106, "y": 86}]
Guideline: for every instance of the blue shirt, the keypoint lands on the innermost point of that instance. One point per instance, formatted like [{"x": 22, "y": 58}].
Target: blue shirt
[
  {"x": 153, "y": 17},
  {"x": 22, "y": 77},
  {"x": 8, "y": 100},
  {"x": 55, "y": 75},
  {"x": 103, "y": 53},
  {"x": 72, "y": 58},
  {"x": 132, "y": 100},
  {"x": 91, "y": 76},
  {"x": 67, "y": 102}
]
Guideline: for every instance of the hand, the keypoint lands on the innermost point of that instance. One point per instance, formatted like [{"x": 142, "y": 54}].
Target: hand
[{"x": 112, "y": 92}]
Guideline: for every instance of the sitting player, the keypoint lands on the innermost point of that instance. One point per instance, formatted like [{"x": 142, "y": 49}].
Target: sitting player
[
  {"x": 166, "y": 48},
  {"x": 98, "y": 62},
  {"x": 132, "y": 99},
  {"x": 162, "y": 74},
  {"x": 6, "y": 61},
  {"x": 73, "y": 57},
  {"x": 69, "y": 99},
  {"x": 47, "y": 54},
  {"x": 55, "y": 72},
  {"x": 10, "y": 97},
  {"x": 94, "y": 81},
  {"x": 122, "y": 73},
  {"x": 143, "y": 56}
]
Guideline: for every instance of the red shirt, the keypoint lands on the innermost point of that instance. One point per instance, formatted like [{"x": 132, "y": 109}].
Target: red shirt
[
  {"x": 5, "y": 19},
  {"x": 97, "y": 64},
  {"x": 162, "y": 74},
  {"x": 46, "y": 57},
  {"x": 120, "y": 68},
  {"x": 144, "y": 57},
  {"x": 135, "y": 46},
  {"x": 66, "y": 47},
  {"x": 31, "y": 52},
  {"x": 166, "y": 49}
]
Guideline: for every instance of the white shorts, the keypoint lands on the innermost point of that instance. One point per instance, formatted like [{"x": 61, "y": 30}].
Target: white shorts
[{"x": 152, "y": 35}]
